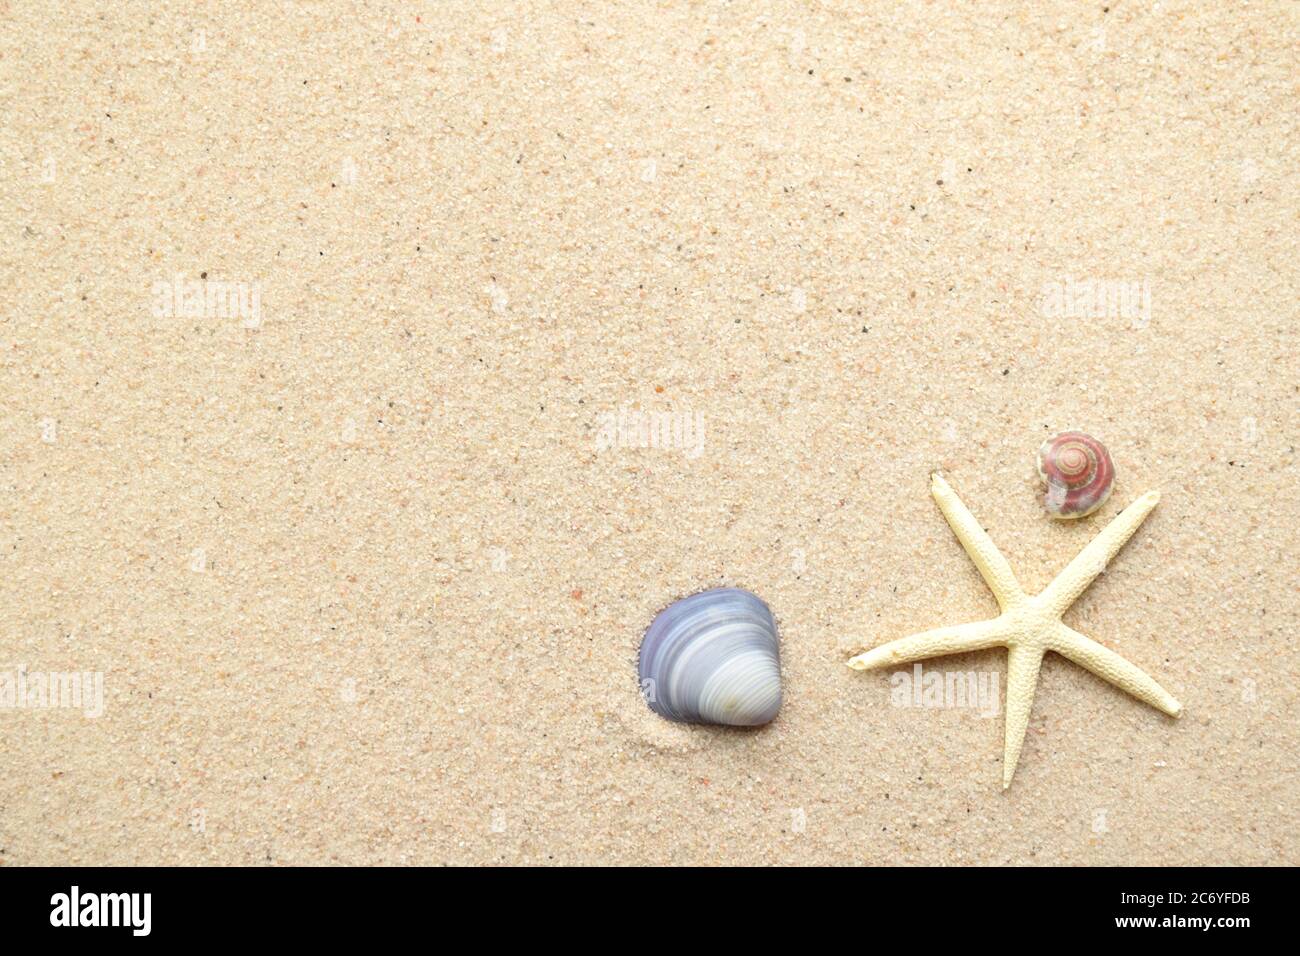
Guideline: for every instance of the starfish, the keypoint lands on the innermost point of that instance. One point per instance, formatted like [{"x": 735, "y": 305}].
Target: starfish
[{"x": 1028, "y": 627}]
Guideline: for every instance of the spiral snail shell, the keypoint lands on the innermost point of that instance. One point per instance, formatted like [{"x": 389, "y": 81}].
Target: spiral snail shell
[
  {"x": 713, "y": 658},
  {"x": 1078, "y": 473}
]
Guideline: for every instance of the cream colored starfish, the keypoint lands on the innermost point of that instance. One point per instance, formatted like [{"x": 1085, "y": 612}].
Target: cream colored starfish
[{"x": 1029, "y": 626}]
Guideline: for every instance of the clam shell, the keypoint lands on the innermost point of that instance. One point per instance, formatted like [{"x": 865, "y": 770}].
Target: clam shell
[
  {"x": 713, "y": 658},
  {"x": 1078, "y": 473}
]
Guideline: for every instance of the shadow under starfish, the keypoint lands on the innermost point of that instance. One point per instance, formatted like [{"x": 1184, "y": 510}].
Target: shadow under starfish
[{"x": 1029, "y": 626}]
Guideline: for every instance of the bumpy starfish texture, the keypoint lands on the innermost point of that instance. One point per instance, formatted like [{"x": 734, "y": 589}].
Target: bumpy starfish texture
[{"x": 1029, "y": 626}]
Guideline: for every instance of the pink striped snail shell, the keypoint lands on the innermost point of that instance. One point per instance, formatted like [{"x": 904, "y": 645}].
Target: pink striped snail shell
[{"x": 1078, "y": 473}]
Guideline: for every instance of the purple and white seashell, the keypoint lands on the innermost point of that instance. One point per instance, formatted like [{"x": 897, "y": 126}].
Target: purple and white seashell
[{"x": 713, "y": 658}]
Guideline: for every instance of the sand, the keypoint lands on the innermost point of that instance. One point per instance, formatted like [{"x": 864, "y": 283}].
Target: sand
[{"x": 350, "y": 532}]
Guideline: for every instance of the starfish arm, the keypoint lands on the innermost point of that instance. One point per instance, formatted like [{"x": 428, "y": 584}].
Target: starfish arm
[
  {"x": 1023, "y": 663},
  {"x": 1092, "y": 560},
  {"x": 992, "y": 565},
  {"x": 943, "y": 640},
  {"x": 1109, "y": 666}
]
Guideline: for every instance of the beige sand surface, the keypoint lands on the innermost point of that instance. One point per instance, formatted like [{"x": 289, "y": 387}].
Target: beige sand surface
[{"x": 362, "y": 577}]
